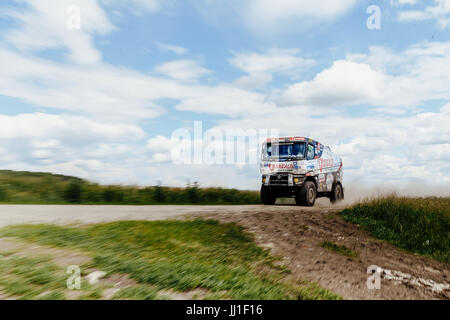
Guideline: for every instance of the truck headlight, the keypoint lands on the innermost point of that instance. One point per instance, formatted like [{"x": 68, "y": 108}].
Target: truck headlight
[
  {"x": 264, "y": 180},
  {"x": 296, "y": 180}
]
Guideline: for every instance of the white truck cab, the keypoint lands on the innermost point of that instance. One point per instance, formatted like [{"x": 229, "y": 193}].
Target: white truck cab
[{"x": 302, "y": 168}]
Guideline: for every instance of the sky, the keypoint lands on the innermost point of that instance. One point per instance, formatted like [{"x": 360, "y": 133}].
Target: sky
[{"x": 97, "y": 88}]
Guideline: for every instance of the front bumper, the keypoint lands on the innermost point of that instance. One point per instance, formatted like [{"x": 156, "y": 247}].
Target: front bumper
[{"x": 283, "y": 180}]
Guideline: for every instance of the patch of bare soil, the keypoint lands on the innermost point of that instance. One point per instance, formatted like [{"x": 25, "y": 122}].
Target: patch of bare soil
[{"x": 295, "y": 234}]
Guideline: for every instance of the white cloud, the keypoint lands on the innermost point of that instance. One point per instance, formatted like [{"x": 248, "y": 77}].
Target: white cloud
[
  {"x": 344, "y": 83},
  {"x": 381, "y": 78},
  {"x": 103, "y": 91},
  {"x": 439, "y": 11},
  {"x": 46, "y": 142},
  {"x": 183, "y": 70},
  {"x": 53, "y": 128},
  {"x": 404, "y": 2},
  {"x": 273, "y": 61},
  {"x": 138, "y": 6},
  {"x": 172, "y": 48},
  {"x": 268, "y": 17},
  {"x": 160, "y": 148},
  {"x": 256, "y": 80},
  {"x": 270, "y": 14},
  {"x": 261, "y": 66},
  {"x": 225, "y": 100},
  {"x": 44, "y": 26}
]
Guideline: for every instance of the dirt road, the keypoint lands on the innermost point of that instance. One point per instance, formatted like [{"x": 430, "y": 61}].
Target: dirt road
[
  {"x": 294, "y": 233},
  {"x": 55, "y": 214}
]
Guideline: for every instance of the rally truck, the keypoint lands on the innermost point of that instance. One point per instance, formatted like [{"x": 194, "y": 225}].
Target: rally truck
[{"x": 301, "y": 168}]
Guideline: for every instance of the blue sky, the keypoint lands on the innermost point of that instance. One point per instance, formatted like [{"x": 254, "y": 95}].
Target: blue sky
[{"x": 102, "y": 101}]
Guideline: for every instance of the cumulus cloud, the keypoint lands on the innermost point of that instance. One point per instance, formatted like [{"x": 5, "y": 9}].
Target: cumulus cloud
[
  {"x": 344, "y": 83},
  {"x": 380, "y": 78}
]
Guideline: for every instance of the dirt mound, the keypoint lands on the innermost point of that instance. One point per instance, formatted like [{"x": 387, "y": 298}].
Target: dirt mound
[{"x": 295, "y": 234}]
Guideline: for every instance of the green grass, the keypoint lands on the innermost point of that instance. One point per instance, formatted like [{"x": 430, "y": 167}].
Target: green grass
[
  {"x": 340, "y": 249},
  {"x": 179, "y": 255},
  {"x": 35, "y": 278},
  {"x": 138, "y": 293},
  {"x": 46, "y": 188},
  {"x": 419, "y": 225}
]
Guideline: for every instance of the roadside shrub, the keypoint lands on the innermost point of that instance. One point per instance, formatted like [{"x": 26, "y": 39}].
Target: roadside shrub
[
  {"x": 92, "y": 193},
  {"x": 3, "y": 193},
  {"x": 113, "y": 195},
  {"x": 159, "y": 194},
  {"x": 72, "y": 193},
  {"x": 193, "y": 193},
  {"x": 419, "y": 225}
]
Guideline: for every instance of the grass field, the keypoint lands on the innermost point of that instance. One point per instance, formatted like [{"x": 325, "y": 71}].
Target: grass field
[
  {"x": 46, "y": 188},
  {"x": 420, "y": 225},
  {"x": 221, "y": 259}
]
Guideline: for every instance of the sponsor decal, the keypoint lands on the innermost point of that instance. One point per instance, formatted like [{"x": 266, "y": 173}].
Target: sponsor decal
[
  {"x": 281, "y": 166},
  {"x": 325, "y": 163},
  {"x": 297, "y": 139},
  {"x": 287, "y": 139}
]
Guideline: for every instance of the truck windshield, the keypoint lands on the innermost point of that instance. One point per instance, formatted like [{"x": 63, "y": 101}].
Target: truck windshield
[{"x": 285, "y": 150}]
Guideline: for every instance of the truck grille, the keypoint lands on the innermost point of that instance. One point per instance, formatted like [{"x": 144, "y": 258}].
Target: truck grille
[{"x": 279, "y": 179}]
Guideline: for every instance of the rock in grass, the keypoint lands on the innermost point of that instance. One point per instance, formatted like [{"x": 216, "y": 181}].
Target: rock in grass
[{"x": 95, "y": 276}]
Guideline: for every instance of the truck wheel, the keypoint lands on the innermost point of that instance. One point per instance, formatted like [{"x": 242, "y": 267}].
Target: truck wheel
[
  {"x": 307, "y": 194},
  {"x": 267, "y": 196},
  {"x": 337, "y": 193}
]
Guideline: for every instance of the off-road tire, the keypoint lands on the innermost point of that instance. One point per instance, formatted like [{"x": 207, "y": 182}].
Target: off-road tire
[
  {"x": 267, "y": 196},
  {"x": 307, "y": 195},
  {"x": 337, "y": 193}
]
